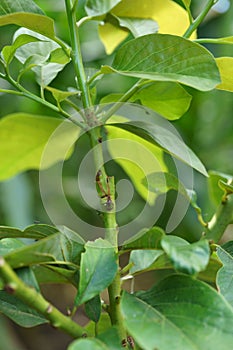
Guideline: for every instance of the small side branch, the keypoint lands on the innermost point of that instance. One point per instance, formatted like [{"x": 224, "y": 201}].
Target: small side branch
[{"x": 35, "y": 300}]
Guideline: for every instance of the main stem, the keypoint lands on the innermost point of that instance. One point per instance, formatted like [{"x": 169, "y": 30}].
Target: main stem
[{"x": 105, "y": 184}]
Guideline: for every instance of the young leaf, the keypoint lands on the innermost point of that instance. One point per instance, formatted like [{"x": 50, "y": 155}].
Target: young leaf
[
  {"x": 9, "y": 51},
  {"x": 60, "y": 95},
  {"x": 216, "y": 191},
  {"x": 186, "y": 257},
  {"x": 145, "y": 239},
  {"x": 225, "y": 274},
  {"x": 143, "y": 259},
  {"x": 11, "y": 6},
  {"x": 225, "y": 65},
  {"x": 166, "y": 98},
  {"x": 93, "y": 308},
  {"x": 161, "y": 57},
  {"x": 97, "y": 269},
  {"x": 201, "y": 320},
  {"x": 22, "y": 148}
]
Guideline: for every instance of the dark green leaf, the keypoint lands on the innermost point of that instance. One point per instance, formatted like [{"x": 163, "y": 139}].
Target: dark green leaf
[
  {"x": 163, "y": 137},
  {"x": 17, "y": 310},
  {"x": 145, "y": 239},
  {"x": 22, "y": 149},
  {"x": 62, "y": 246},
  {"x": 93, "y": 308},
  {"x": 143, "y": 259},
  {"x": 186, "y": 257},
  {"x": 97, "y": 8},
  {"x": 225, "y": 274},
  {"x": 172, "y": 313},
  {"x": 34, "y": 231},
  {"x": 167, "y": 58},
  {"x": 52, "y": 274},
  {"x": 97, "y": 269}
]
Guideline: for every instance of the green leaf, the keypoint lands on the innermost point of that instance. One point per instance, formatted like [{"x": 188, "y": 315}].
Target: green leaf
[
  {"x": 145, "y": 239},
  {"x": 34, "y": 231},
  {"x": 9, "y": 244},
  {"x": 60, "y": 95},
  {"x": 104, "y": 324},
  {"x": 186, "y": 3},
  {"x": 87, "y": 344},
  {"x": 225, "y": 40},
  {"x": 160, "y": 135},
  {"x": 225, "y": 274},
  {"x": 46, "y": 72},
  {"x": 9, "y": 51},
  {"x": 172, "y": 313},
  {"x": 111, "y": 338},
  {"x": 216, "y": 191},
  {"x": 185, "y": 257},
  {"x": 96, "y": 8},
  {"x": 168, "y": 99},
  {"x": 97, "y": 269},
  {"x": 225, "y": 66},
  {"x": 63, "y": 246},
  {"x": 163, "y": 182},
  {"x": 11, "y": 6},
  {"x": 23, "y": 140},
  {"x": 210, "y": 273},
  {"x": 161, "y": 57},
  {"x": 227, "y": 188},
  {"x": 143, "y": 259},
  {"x": 17, "y": 310},
  {"x": 93, "y": 308},
  {"x": 48, "y": 273},
  {"x": 138, "y": 26}
]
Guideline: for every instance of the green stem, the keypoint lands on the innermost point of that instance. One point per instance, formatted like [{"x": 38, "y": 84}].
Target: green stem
[
  {"x": 32, "y": 298},
  {"x": 105, "y": 185},
  {"x": 222, "y": 218},
  {"x": 124, "y": 98},
  {"x": 195, "y": 24},
  {"x": 76, "y": 56}
]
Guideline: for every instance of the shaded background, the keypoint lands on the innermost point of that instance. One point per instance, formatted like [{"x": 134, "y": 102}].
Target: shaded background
[{"x": 207, "y": 128}]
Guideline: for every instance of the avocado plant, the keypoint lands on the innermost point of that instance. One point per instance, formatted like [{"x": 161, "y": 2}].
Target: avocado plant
[{"x": 191, "y": 305}]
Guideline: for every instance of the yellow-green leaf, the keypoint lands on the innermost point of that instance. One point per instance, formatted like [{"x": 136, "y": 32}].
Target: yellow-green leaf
[{"x": 225, "y": 66}]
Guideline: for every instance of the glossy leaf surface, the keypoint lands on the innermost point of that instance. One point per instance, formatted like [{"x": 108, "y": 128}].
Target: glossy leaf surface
[
  {"x": 97, "y": 269},
  {"x": 185, "y": 257},
  {"x": 200, "y": 320},
  {"x": 164, "y": 57}
]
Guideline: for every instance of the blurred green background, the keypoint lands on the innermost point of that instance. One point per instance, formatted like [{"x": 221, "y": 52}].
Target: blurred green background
[{"x": 207, "y": 128}]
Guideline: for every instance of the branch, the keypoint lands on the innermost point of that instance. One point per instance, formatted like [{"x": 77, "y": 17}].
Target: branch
[{"x": 35, "y": 300}]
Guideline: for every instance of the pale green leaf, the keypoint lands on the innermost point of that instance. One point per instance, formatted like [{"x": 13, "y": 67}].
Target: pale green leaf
[
  {"x": 138, "y": 26},
  {"x": 60, "y": 95},
  {"x": 171, "y": 313},
  {"x": 34, "y": 231},
  {"x": 87, "y": 344},
  {"x": 97, "y": 269},
  {"x": 216, "y": 192},
  {"x": 46, "y": 72},
  {"x": 225, "y": 66},
  {"x": 168, "y": 99},
  {"x": 185, "y": 257},
  {"x": 225, "y": 274},
  {"x": 23, "y": 140},
  {"x": 9, "y": 51},
  {"x": 186, "y": 62},
  {"x": 97, "y": 8}
]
